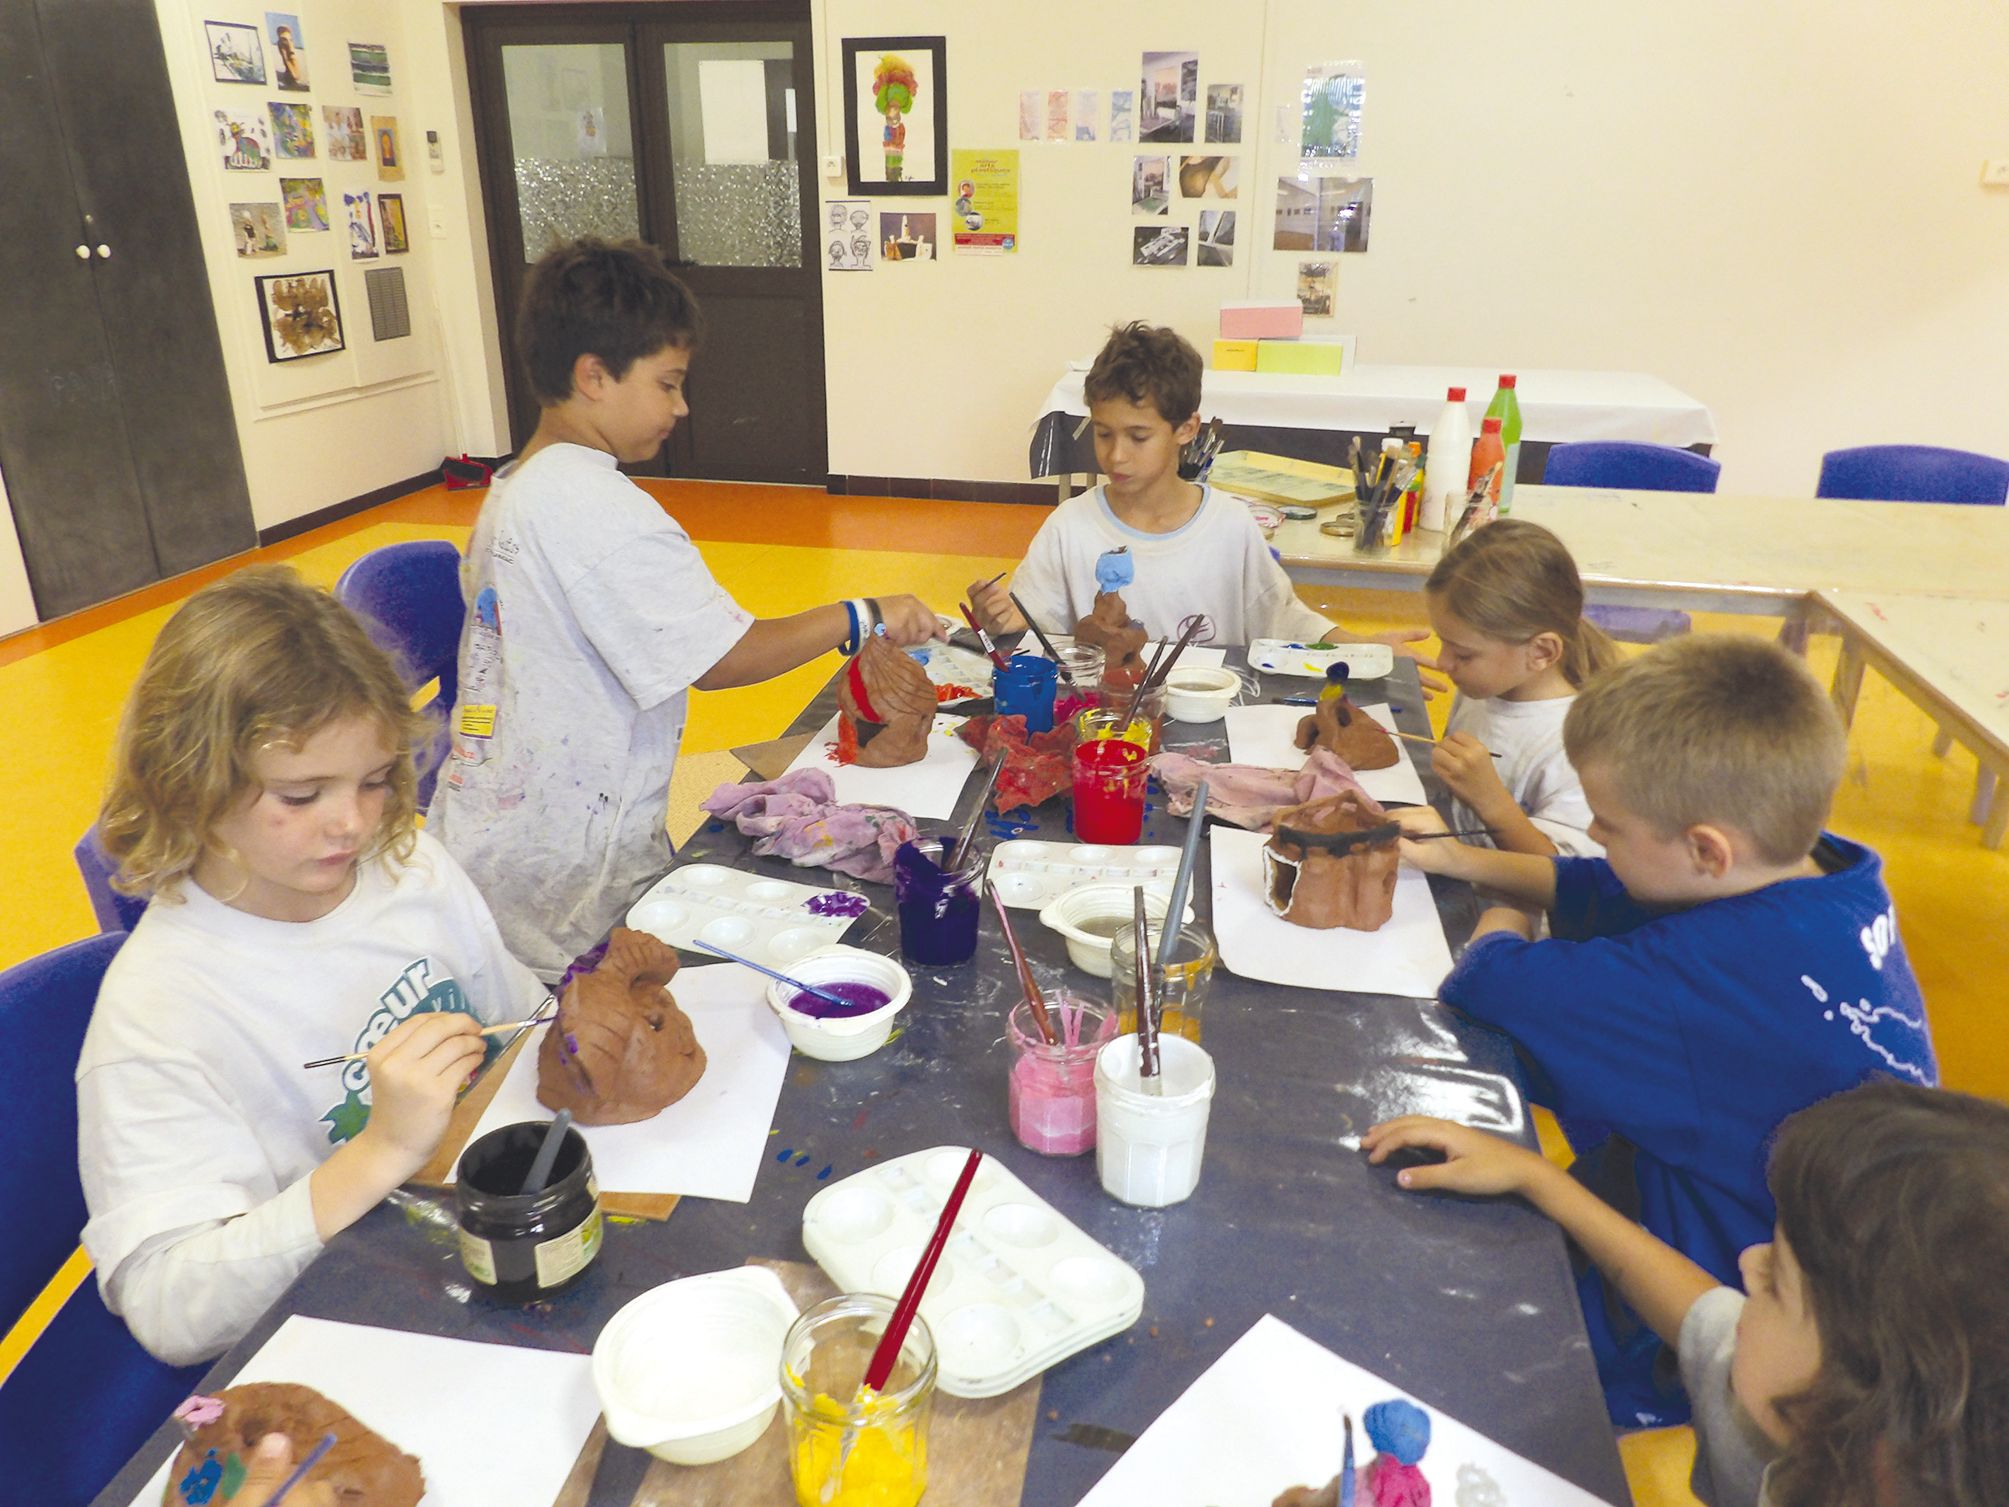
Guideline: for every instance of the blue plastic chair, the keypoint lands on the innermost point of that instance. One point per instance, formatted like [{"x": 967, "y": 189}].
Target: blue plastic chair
[
  {"x": 85, "y": 1396},
  {"x": 408, "y": 596},
  {"x": 115, "y": 912},
  {"x": 1913, "y": 473},
  {"x": 1646, "y": 468}
]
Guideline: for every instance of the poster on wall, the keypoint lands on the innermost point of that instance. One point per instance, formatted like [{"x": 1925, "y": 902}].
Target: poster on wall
[
  {"x": 1209, "y": 177},
  {"x": 236, "y": 56},
  {"x": 257, "y": 229},
  {"x": 390, "y": 161},
  {"x": 986, "y": 210},
  {"x": 390, "y": 310},
  {"x": 306, "y": 203},
  {"x": 300, "y": 314},
  {"x": 896, "y": 115},
  {"x": 362, "y": 226},
  {"x": 1323, "y": 214},
  {"x": 346, "y": 142},
  {"x": 370, "y": 67},
  {"x": 1334, "y": 96},
  {"x": 1224, "y": 114},
  {"x": 906, "y": 237},
  {"x": 1318, "y": 288},
  {"x": 289, "y": 51},
  {"x": 1031, "y": 106},
  {"x": 292, "y": 129},
  {"x": 1056, "y": 115},
  {"x": 1168, "y": 96},
  {"x": 1149, "y": 193},
  {"x": 1162, "y": 247},
  {"x": 849, "y": 242},
  {"x": 1216, "y": 245},
  {"x": 1122, "y": 115},
  {"x": 391, "y": 217},
  {"x": 1087, "y": 103},
  {"x": 244, "y": 140}
]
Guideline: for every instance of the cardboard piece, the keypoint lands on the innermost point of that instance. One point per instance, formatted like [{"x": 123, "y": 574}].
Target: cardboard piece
[
  {"x": 770, "y": 760},
  {"x": 1262, "y": 319}
]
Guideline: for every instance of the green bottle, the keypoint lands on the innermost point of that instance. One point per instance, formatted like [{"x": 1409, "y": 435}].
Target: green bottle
[{"x": 1506, "y": 407}]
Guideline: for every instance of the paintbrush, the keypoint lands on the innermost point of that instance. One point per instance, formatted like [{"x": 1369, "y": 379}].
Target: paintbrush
[
  {"x": 1143, "y": 683},
  {"x": 1035, "y": 1001},
  {"x": 1044, "y": 642},
  {"x": 1182, "y": 882},
  {"x": 496, "y": 1030},
  {"x": 1147, "y": 1025},
  {"x": 547, "y": 1153},
  {"x": 982, "y": 637},
  {"x": 314, "y": 1457},
  {"x": 1414, "y": 737},
  {"x": 1347, "y": 1485},
  {"x": 1155, "y": 677},
  {"x": 952, "y": 860}
]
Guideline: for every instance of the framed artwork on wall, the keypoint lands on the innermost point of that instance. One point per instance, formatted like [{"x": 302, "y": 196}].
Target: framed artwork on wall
[
  {"x": 896, "y": 115},
  {"x": 301, "y": 314}
]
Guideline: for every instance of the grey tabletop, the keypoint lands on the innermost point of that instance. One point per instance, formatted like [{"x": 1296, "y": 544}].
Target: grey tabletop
[{"x": 1467, "y": 1304}]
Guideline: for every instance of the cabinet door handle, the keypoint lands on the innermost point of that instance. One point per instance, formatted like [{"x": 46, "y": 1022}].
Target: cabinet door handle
[
  {"x": 83, "y": 253},
  {"x": 104, "y": 251}
]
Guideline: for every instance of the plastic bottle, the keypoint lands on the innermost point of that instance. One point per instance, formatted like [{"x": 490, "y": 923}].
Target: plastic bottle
[
  {"x": 1446, "y": 462},
  {"x": 1487, "y": 454},
  {"x": 1506, "y": 407}
]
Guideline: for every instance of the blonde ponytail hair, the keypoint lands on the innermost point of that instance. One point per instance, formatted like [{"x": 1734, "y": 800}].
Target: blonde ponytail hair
[{"x": 1513, "y": 580}]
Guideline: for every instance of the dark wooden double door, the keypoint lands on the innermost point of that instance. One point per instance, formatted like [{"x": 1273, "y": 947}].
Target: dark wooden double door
[{"x": 691, "y": 126}]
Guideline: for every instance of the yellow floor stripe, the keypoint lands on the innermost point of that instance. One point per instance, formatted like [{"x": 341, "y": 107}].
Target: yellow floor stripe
[{"x": 75, "y": 1272}]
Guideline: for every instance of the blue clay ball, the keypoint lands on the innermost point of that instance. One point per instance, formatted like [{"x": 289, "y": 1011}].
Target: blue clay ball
[{"x": 1398, "y": 1428}]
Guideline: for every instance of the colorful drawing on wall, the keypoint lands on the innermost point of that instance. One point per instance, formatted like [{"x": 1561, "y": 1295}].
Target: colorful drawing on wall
[
  {"x": 301, "y": 314},
  {"x": 370, "y": 67},
  {"x": 1323, "y": 214},
  {"x": 1216, "y": 246},
  {"x": 391, "y": 211},
  {"x": 289, "y": 51},
  {"x": 306, "y": 203},
  {"x": 1030, "y": 104},
  {"x": 346, "y": 142},
  {"x": 1164, "y": 246},
  {"x": 1087, "y": 104},
  {"x": 1149, "y": 194},
  {"x": 362, "y": 226},
  {"x": 1122, "y": 115},
  {"x": 906, "y": 237},
  {"x": 986, "y": 207},
  {"x": 896, "y": 114},
  {"x": 1209, "y": 177},
  {"x": 1318, "y": 288},
  {"x": 390, "y": 161},
  {"x": 292, "y": 129},
  {"x": 258, "y": 229},
  {"x": 1168, "y": 96},
  {"x": 236, "y": 56},
  {"x": 1224, "y": 114},
  {"x": 244, "y": 140},
  {"x": 849, "y": 240},
  {"x": 1056, "y": 115},
  {"x": 1335, "y": 94}
]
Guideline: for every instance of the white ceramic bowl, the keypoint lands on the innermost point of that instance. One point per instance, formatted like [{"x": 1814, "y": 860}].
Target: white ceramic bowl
[
  {"x": 691, "y": 1371},
  {"x": 843, "y": 1038},
  {"x": 1199, "y": 694},
  {"x": 1087, "y": 917}
]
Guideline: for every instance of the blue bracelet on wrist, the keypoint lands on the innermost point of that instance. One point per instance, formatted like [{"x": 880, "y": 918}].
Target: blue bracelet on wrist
[{"x": 854, "y": 643}]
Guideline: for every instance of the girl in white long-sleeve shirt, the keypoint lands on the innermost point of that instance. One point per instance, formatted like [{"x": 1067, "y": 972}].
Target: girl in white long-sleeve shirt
[{"x": 263, "y": 799}]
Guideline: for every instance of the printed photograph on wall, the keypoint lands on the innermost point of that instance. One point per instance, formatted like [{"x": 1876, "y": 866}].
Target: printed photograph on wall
[
  {"x": 289, "y": 51},
  {"x": 896, "y": 115},
  {"x": 1318, "y": 288},
  {"x": 1122, "y": 115},
  {"x": 1209, "y": 177},
  {"x": 300, "y": 313},
  {"x": 257, "y": 229},
  {"x": 244, "y": 140},
  {"x": 849, "y": 238},
  {"x": 1087, "y": 105},
  {"x": 236, "y": 56},
  {"x": 362, "y": 226},
  {"x": 1224, "y": 114},
  {"x": 1323, "y": 214},
  {"x": 292, "y": 129},
  {"x": 1148, "y": 193},
  {"x": 1216, "y": 245},
  {"x": 390, "y": 161},
  {"x": 391, "y": 214},
  {"x": 1334, "y": 96},
  {"x": 1164, "y": 246},
  {"x": 1056, "y": 115},
  {"x": 1031, "y": 108},
  {"x": 346, "y": 142},
  {"x": 905, "y": 237},
  {"x": 370, "y": 67},
  {"x": 1168, "y": 96},
  {"x": 306, "y": 203}
]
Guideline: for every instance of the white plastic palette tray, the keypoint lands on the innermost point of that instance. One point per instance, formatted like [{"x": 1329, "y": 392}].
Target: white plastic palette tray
[
  {"x": 768, "y": 920},
  {"x": 1018, "y": 1288},
  {"x": 1030, "y": 874},
  {"x": 1262, "y": 735},
  {"x": 1281, "y": 656}
]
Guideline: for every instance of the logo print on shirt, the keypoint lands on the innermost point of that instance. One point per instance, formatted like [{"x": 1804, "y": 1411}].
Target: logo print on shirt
[
  {"x": 1879, "y": 937},
  {"x": 416, "y": 992},
  {"x": 1862, "y": 1017}
]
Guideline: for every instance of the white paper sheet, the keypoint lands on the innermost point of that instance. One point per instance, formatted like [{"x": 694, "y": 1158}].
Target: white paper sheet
[
  {"x": 1196, "y": 655},
  {"x": 709, "y": 1143},
  {"x": 489, "y": 1423},
  {"x": 1261, "y": 735},
  {"x": 925, "y": 791},
  {"x": 1408, "y": 956},
  {"x": 1267, "y": 1416}
]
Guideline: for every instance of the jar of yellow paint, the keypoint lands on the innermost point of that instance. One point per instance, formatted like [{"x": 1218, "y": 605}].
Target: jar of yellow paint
[{"x": 823, "y": 1361}]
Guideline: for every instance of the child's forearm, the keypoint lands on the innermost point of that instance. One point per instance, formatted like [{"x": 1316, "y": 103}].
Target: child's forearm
[
  {"x": 1513, "y": 832},
  {"x": 773, "y": 646},
  {"x": 354, "y": 1181},
  {"x": 1519, "y": 876},
  {"x": 1657, "y": 1280}
]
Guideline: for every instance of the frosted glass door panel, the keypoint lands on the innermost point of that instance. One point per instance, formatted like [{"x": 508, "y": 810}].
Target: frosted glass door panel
[
  {"x": 572, "y": 139},
  {"x": 732, "y": 150}
]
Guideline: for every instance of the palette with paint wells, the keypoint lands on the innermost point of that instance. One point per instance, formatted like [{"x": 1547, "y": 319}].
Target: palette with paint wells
[
  {"x": 1282, "y": 656},
  {"x": 1030, "y": 874},
  {"x": 770, "y": 921},
  {"x": 1018, "y": 1287}
]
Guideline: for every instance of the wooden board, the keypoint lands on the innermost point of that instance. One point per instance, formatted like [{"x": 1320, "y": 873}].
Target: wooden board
[
  {"x": 1281, "y": 479},
  {"x": 976, "y": 1450},
  {"x": 770, "y": 760}
]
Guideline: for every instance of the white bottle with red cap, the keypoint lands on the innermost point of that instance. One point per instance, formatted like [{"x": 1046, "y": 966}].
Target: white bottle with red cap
[{"x": 1446, "y": 463}]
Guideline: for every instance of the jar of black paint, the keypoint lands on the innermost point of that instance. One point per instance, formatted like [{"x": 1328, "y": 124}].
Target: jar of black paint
[{"x": 521, "y": 1246}]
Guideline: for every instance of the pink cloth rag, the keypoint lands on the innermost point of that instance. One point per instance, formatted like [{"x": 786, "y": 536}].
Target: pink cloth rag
[
  {"x": 797, "y": 817},
  {"x": 1249, "y": 795}
]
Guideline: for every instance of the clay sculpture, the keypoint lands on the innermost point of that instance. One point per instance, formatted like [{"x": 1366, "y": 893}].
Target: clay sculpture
[
  {"x": 361, "y": 1469},
  {"x": 885, "y": 708},
  {"x": 620, "y": 1049},
  {"x": 1331, "y": 862},
  {"x": 1339, "y": 726},
  {"x": 1109, "y": 628}
]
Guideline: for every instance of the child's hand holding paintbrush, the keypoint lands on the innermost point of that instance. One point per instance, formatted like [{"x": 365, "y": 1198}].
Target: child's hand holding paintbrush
[{"x": 993, "y": 605}]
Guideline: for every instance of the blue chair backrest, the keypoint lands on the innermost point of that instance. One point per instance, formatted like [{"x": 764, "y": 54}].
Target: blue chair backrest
[
  {"x": 115, "y": 911},
  {"x": 1625, "y": 463},
  {"x": 1913, "y": 473},
  {"x": 408, "y": 596}
]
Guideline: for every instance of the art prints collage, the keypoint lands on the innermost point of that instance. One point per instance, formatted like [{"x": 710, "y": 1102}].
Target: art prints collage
[{"x": 300, "y": 310}]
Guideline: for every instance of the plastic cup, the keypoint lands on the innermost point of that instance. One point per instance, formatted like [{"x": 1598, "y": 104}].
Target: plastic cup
[
  {"x": 938, "y": 907},
  {"x": 1148, "y": 720},
  {"x": 1182, "y": 987},
  {"x": 1083, "y": 663},
  {"x": 1148, "y": 1146},
  {"x": 1025, "y": 688},
  {"x": 823, "y": 1360},
  {"x": 1110, "y": 775},
  {"x": 1052, "y": 1088}
]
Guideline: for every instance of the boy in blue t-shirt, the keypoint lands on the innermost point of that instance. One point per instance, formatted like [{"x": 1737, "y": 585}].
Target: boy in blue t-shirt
[{"x": 1725, "y": 964}]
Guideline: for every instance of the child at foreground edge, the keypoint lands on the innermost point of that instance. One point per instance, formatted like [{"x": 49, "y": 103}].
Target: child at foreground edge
[
  {"x": 1726, "y": 963},
  {"x": 1866, "y": 1363},
  {"x": 262, "y": 796},
  {"x": 1194, "y": 550},
  {"x": 591, "y": 616}
]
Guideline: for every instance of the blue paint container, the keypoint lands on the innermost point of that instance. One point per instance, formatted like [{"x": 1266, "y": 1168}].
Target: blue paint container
[{"x": 1024, "y": 688}]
